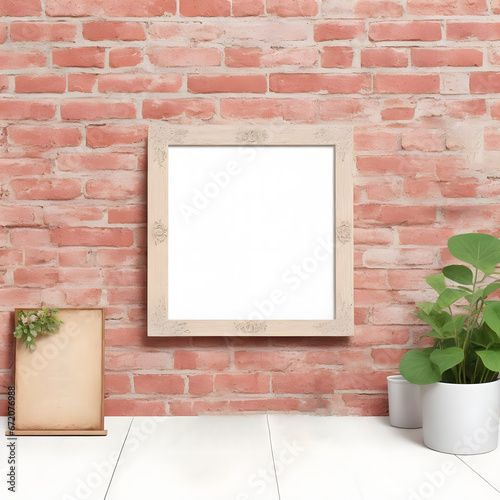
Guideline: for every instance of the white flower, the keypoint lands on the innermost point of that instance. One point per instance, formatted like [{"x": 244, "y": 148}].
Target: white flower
[
  {"x": 32, "y": 347},
  {"x": 25, "y": 321},
  {"x": 33, "y": 318},
  {"x": 40, "y": 314},
  {"x": 29, "y": 339}
]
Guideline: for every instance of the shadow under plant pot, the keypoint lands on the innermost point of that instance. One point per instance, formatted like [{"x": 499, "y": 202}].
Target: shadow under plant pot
[
  {"x": 405, "y": 409},
  {"x": 461, "y": 418}
]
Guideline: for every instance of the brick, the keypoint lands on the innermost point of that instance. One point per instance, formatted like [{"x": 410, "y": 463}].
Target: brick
[
  {"x": 3, "y": 32},
  {"x": 17, "y": 109},
  {"x": 45, "y": 137},
  {"x": 132, "y": 406},
  {"x": 495, "y": 6},
  {"x": 333, "y": 30},
  {"x": 105, "y": 8},
  {"x": 169, "y": 108},
  {"x": 314, "y": 82},
  {"x": 406, "y": 84},
  {"x": 398, "y": 164},
  {"x": 384, "y": 57},
  {"x": 128, "y": 295},
  {"x": 241, "y": 8},
  {"x": 266, "y": 360},
  {"x": 65, "y": 215},
  {"x": 471, "y": 31},
  {"x": 96, "y": 109},
  {"x": 83, "y": 296},
  {"x": 366, "y": 404},
  {"x": 24, "y": 166},
  {"x": 92, "y": 236},
  {"x": 337, "y": 57},
  {"x": 384, "y": 333},
  {"x": 301, "y": 110},
  {"x": 201, "y": 32},
  {"x": 122, "y": 186},
  {"x": 200, "y": 385},
  {"x": 392, "y": 257},
  {"x": 10, "y": 59},
  {"x": 125, "y": 57},
  {"x": 140, "y": 83},
  {"x": 125, "y": 277},
  {"x": 113, "y": 30},
  {"x": 201, "y": 360},
  {"x": 19, "y": 297},
  {"x": 103, "y": 136},
  {"x": 214, "y": 83},
  {"x": 419, "y": 31},
  {"x": 111, "y": 257},
  {"x": 40, "y": 256},
  {"x": 69, "y": 257},
  {"x": 487, "y": 82},
  {"x": 4, "y": 82},
  {"x": 447, "y": 7},
  {"x": 421, "y": 188},
  {"x": 292, "y": 8},
  {"x": 453, "y": 108},
  {"x": 88, "y": 162},
  {"x": 36, "y": 277},
  {"x": 159, "y": 384},
  {"x": 20, "y": 8},
  {"x": 80, "y": 57},
  {"x": 242, "y": 383},
  {"x": 446, "y": 57},
  {"x": 22, "y": 31},
  {"x": 125, "y": 359},
  {"x": 348, "y": 109},
  {"x": 183, "y": 56},
  {"x": 379, "y": 236},
  {"x": 199, "y": 8},
  {"x": 318, "y": 382},
  {"x": 20, "y": 216},
  {"x": 10, "y": 257},
  {"x": 80, "y": 276},
  {"x": 81, "y": 82},
  {"x": 46, "y": 189},
  {"x": 115, "y": 383},
  {"x": 132, "y": 214},
  {"x": 377, "y": 8},
  {"x": 248, "y": 57},
  {"x": 397, "y": 112},
  {"x": 387, "y": 357},
  {"x": 32, "y": 84},
  {"x": 374, "y": 279},
  {"x": 422, "y": 140},
  {"x": 382, "y": 191},
  {"x": 266, "y": 30},
  {"x": 375, "y": 140}
]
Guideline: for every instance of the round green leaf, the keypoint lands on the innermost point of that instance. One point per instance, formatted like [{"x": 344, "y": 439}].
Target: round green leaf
[
  {"x": 417, "y": 367},
  {"x": 491, "y": 359},
  {"x": 447, "y": 358},
  {"x": 480, "y": 250},
  {"x": 459, "y": 274},
  {"x": 491, "y": 316}
]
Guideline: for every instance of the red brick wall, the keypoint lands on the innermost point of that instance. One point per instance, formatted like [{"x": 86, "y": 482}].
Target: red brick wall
[{"x": 80, "y": 81}]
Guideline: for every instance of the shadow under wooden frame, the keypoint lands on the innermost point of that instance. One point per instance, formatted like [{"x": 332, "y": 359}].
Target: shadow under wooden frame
[
  {"x": 163, "y": 141},
  {"x": 59, "y": 386}
]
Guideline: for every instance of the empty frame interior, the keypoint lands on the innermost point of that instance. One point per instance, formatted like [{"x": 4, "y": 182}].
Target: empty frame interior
[
  {"x": 249, "y": 231},
  {"x": 59, "y": 385}
]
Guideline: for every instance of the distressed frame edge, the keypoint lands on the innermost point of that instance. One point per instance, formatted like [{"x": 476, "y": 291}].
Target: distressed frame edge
[{"x": 159, "y": 138}]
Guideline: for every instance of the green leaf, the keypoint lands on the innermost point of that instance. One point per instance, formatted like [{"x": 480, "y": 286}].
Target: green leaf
[
  {"x": 491, "y": 359},
  {"x": 492, "y": 287},
  {"x": 475, "y": 297},
  {"x": 491, "y": 316},
  {"x": 459, "y": 274},
  {"x": 436, "y": 281},
  {"x": 480, "y": 250},
  {"x": 427, "y": 307},
  {"x": 441, "y": 323},
  {"x": 447, "y": 358},
  {"x": 449, "y": 296},
  {"x": 417, "y": 367}
]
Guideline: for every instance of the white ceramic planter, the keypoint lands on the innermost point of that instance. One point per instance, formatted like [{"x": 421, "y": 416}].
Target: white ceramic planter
[
  {"x": 405, "y": 409},
  {"x": 461, "y": 418}
]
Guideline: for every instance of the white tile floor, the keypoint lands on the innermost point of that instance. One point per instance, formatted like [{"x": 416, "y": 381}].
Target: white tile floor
[{"x": 257, "y": 457}]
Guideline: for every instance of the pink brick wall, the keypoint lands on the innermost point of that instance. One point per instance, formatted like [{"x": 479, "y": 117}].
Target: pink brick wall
[{"x": 80, "y": 81}]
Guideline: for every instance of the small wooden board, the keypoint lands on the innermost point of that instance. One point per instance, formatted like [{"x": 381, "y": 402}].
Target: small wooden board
[{"x": 60, "y": 385}]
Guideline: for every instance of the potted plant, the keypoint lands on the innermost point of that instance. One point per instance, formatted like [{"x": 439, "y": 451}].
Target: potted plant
[{"x": 459, "y": 371}]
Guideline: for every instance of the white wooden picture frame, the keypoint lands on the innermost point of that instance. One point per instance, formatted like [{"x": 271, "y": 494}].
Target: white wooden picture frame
[{"x": 250, "y": 230}]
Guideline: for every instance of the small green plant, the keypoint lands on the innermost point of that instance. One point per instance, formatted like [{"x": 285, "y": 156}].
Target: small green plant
[
  {"x": 30, "y": 324},
  {"x": 465, "y": 325}
]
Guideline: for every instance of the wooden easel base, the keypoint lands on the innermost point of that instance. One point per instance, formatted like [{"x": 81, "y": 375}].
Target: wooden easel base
[{"x": 57, "y": 433}]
